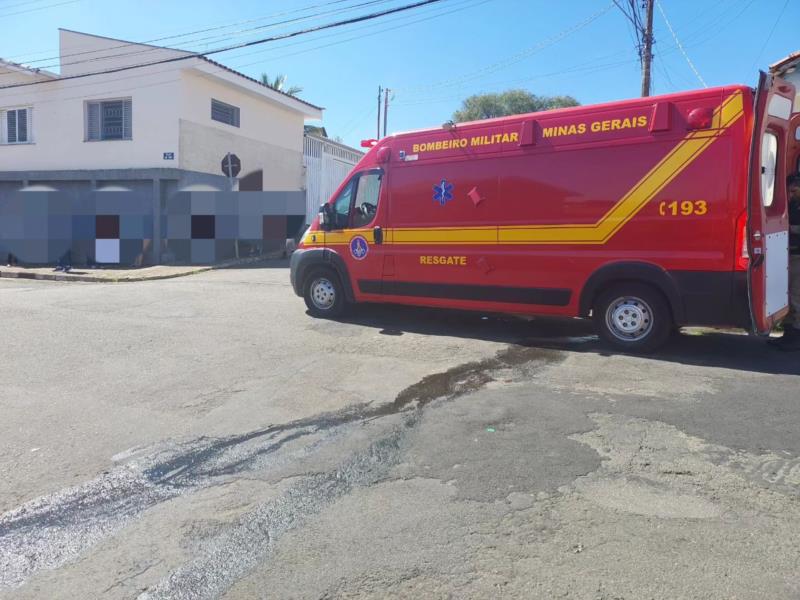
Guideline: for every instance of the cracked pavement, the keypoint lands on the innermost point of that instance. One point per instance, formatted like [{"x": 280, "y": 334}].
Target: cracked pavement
[{"x": 205, "y": 438}]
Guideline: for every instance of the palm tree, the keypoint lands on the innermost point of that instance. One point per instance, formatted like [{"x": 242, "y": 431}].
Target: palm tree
[{"x": 279, "y": 84}]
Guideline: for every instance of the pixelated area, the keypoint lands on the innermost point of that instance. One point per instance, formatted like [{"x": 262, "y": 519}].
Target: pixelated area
[{"x": 105, "y": 228}]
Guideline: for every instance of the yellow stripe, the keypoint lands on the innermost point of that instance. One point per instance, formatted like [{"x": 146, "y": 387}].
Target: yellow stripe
[{"x": 667, "y": 169}]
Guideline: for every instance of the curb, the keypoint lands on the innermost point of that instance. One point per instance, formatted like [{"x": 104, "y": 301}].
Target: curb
[{"x": 136, "y": 278}]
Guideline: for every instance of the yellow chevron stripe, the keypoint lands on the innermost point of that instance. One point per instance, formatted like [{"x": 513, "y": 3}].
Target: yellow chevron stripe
[{"x": 667, "y": 169}]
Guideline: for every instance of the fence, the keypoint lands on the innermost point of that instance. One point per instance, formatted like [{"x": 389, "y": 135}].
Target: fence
[{"x": 327, "y": 164}]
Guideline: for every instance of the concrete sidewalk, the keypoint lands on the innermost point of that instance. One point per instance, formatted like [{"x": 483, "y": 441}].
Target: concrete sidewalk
[{"x": 119, "y": 275}]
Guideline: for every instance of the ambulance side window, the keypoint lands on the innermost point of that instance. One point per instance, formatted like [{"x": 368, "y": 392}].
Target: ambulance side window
[
  {"x": 367, "y": 195},
  {"x": 357, "y": 203}
]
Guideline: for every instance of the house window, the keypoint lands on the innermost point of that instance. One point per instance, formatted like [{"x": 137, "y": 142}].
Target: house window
[
  {"x": 225, "y": 113},
  {"x": 109, "y": 120},
  {"x": 16, "y": 126}
]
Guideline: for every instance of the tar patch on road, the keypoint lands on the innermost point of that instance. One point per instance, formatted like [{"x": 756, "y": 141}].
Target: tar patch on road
[
  {"x": 51, "y": 531},
  {"x": 468, "y": 377}
]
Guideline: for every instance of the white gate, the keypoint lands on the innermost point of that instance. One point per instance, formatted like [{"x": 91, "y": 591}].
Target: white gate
[{"x": 327, "y": 163}]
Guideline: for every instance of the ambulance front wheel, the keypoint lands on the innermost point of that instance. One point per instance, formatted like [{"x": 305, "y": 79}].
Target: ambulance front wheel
[
  {"x": 324, "y": 294},
  {"x": 633, "y": 317}
]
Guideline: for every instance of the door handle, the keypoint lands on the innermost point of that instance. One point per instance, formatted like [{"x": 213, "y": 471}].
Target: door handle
[{"x": 377, "y": 234}]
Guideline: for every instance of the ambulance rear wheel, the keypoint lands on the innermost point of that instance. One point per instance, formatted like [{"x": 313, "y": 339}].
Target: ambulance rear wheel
[
  {"x": 324, "y": 294},
  {"x": 633, "y": 318}
]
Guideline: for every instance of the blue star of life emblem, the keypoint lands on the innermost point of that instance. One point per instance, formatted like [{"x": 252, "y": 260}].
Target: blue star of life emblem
[
  {"x": 443, "y": 192},
  {"x": 359, "y": 247}
]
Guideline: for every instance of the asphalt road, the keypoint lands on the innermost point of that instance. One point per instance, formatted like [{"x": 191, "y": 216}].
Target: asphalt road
[{"x": 204, "y": 438}]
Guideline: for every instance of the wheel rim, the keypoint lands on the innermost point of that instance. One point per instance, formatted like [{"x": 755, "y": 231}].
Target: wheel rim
[
  {"x": 629, "y": 319},
  {"x": 323, "y": 293}
]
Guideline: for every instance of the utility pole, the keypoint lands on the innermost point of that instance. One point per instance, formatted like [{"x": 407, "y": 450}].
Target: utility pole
[
  {"x": 385, "y": 109},
  {"x": 647, "y": 48},
  {"x": 380, "y": 91}
]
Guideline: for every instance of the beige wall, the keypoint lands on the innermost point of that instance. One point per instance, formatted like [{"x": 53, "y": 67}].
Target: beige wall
[
  {"x": 261, "y": 119},
  {"x": 270, "y": 136},
  {"x": 202, "y": 148},
  {"x": 59, "y": 123},
  {"x": 171, "y": 114}
]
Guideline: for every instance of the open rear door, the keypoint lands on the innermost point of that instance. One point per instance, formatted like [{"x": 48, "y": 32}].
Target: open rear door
[
  {"x": 767, "y": 217},
  {"x": 794, "y": 144}
]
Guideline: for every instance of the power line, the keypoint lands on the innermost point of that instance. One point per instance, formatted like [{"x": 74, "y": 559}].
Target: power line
[
  {"x": 174, "y": 69},
  {"x": 643, "y": 35},
  {"x": 705, "y": 32},
  {"x": 769, "y": 37},
  {"x": 523, "y": 54},
  {"x": 667, "y": 77},
  {"x": 352, "y": 124},
  {"x": 217, "y": 38},
  {"x": 464, "y": 5},
  {"x": 580, "y": 67},
  {"x": 460, "y": 83},
  {"x": 631, "y": 12},
  {"x": 335, "y": 24},
  {"x": 30, "y": 10},
  {"x": 20, "y": 58},
  {"x": 678, "y": 43},
  {"x": 27, "y": 3}
]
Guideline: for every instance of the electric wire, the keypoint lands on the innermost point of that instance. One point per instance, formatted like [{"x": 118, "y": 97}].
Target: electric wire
[
  {"x": 706, "y": 32},
  {"x": 270, "y": 39},
  {"x": 30, "y": 10},
  {"x": 217, "y": 39},
  {"x": 583, "y": 66},
  {"x": 352, "y": 124},
  {"x": 22, "y": 57},
  {"x": 17, "y": 4},
  {"x": 182, "y": 34},
  {"x": 769, "y": 37},
  {"x": 176, "y": 68},
  {"x": 523, "y": 54},
  {"x": 464, "y": 6},
  {"x": 680, "y": 46}
]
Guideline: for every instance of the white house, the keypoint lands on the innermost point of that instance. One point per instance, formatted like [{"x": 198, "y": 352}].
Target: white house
[
  {"x": 788, "y": 68},
  {"x": 156, "y": 135},
  {"x": 173, "y": 120}
]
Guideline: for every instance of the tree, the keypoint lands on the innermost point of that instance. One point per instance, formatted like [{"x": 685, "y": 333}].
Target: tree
[
  {"x": 279, "y": 83},
  {"x": 511, "y": 102}
]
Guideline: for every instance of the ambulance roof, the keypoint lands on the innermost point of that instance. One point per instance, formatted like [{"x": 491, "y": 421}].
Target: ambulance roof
[{"x": 587, "y": 108}]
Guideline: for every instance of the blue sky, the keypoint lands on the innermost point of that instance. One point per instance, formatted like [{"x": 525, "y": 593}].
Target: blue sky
[{"x": 436, "y": 55}]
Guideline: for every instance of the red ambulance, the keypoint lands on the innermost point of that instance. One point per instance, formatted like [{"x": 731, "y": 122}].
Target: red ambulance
[{"x": 645, "y": 214}]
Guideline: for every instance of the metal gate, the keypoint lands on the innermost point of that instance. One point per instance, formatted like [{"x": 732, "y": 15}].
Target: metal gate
[{"x": 327, "y": 163}]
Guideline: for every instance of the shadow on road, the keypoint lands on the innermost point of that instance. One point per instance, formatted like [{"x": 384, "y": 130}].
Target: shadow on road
[{"x": 699, "y": 347}]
